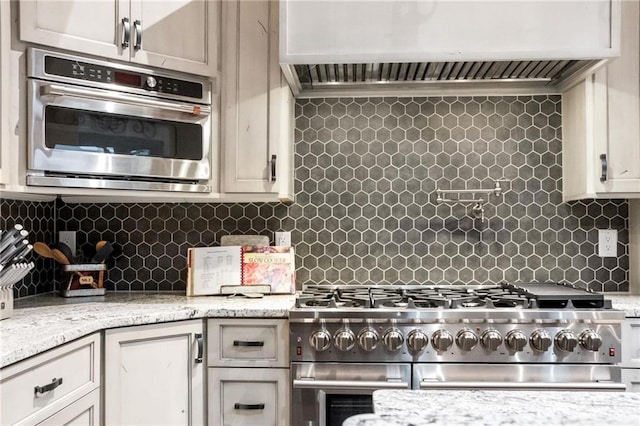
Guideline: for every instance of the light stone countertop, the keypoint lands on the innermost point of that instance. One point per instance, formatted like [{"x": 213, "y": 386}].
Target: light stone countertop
[
  {"x": 629, "y": 303},
  {"x": 460, "y": 407},
  {"x": 43, "y": 322}
]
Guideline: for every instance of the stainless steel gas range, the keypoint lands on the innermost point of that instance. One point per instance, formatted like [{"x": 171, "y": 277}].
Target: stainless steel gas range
[{"x": 348, "y": 341}]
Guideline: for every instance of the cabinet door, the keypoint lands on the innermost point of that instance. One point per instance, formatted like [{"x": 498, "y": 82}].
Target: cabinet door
[
  {"x": 90, "y": 27},
  {"x": 176, "y": 34},
  {"x": 631, "y": 346},
  {"x": 248, "y": 396},
  {"x": 601, "y": 126},
  {"x": 631, "y": 378},
  {"x": 256, "y": 104},
  {"x": 154, "y": 374},
  {"x": 619, "y": 134},
  {"x": 83, "y": 412}
]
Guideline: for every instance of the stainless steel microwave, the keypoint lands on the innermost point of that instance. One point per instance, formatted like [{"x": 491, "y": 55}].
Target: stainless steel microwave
[{"x": 98, "y": 124}]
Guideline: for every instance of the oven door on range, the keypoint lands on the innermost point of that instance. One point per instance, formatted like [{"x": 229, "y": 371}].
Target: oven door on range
[
  {"x": 91, "y": 132},
  {"x": 325, "y": 394},
  {"x": 569, "y": 377}
]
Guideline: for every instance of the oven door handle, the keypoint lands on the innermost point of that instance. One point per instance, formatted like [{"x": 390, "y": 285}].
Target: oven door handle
[
  {"x": 123, "y": 98},
  {"x": 349, "y": 384},
  {"x": 591, "y": 386}
]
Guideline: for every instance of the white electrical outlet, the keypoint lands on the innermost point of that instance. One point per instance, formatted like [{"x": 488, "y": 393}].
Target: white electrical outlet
[
  {"x": 283, "y": 238},
  {"x": 607, "y": 243},
  {"x": 68, "y": 238}
]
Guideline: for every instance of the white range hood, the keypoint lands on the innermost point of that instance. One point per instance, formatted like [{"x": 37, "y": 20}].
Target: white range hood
[{"x": 387, "y": 47}]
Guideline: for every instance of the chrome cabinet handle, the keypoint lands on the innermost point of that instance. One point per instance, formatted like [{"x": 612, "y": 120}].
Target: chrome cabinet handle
[
  {"x": 350, "y": 384},
  {"x": 137, "y": 26},
  {"x": 126, "y": 32},
  {"x": 247, "y": 343},
  {"x": 273, "y": 168},
  {"x": 47, "y": 388},
  {"x": 239, "y": 406},
  {"x": 200, "y": 340},
  {"x": 603, "y": 161}
]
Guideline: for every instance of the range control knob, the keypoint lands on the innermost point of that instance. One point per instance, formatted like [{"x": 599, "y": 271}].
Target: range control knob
[
  {"x": 566, "y": 341},
  {"x": 368, "y": 339},
  {"x": 540, "y": 340},
  {"x": 417, "y": 340},
  {"x": 516, "y": 340},
  {"x": 442, "y": 340},
  {"x": 151, "y": 82},
  {"x": 344, "y": 339},
  {"x": 590, "y": 340},
  {"x": 466, "y": 339},
  {"x": 491, "y": 339},
  {"x": 320, "y": 340},
  {"x": 393, "y": 339}
]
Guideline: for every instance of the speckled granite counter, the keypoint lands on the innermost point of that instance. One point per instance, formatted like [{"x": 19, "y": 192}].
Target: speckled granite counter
[
  {"x": 43, "y": 322},
  {"x": 433, "y": 408},
  {"x": 629, "y": 303}
]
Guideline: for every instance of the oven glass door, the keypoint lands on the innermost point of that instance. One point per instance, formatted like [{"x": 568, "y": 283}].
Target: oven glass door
[
  {"x": 98, "y": 132},
  {"x": 325, "y": 394}
]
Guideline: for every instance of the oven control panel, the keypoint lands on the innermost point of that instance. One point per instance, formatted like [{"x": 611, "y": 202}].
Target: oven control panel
[
  {"x": 456, "y": 341},
  {"x": 120, "y": 77}
]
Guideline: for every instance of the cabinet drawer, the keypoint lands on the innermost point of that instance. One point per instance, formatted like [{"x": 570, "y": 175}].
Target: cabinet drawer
[
  {"x": 248, "y": 343},
  {"x": 248, "y": 396},
  {"x": 631, "y": 343},
  {"x": 85, "y": 411},
  {"x": 40, "y": 386},
  {"x": 631, "y": 378}
]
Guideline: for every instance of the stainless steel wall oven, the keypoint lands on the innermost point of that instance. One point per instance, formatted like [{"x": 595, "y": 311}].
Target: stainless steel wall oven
[
  {"x": 348, "y": 341},
  {"x": 100, "y": 124}
]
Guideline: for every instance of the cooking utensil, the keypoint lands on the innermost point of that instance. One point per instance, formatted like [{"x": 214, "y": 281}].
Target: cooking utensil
[
  {"x": 59, "y": 257},
  {"x": 103, "y": 252},
  {"x": 43, "y": 250},
  {"x": 65, "y": 249}
]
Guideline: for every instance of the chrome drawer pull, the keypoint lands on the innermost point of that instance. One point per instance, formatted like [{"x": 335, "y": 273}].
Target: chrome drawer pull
[
  {"x": 46, "y": 388},
  {"x": 239, "y": 406},
  {"x": 200, "y": 340},
  {"x": 247, "y": 343}
]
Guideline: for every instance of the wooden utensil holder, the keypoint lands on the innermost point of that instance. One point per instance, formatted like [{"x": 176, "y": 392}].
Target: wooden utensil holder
[{"x": 84, "y": 280}]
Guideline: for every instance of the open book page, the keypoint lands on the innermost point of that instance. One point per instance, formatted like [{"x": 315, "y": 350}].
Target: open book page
[
  {"x": 272, "y": 265},
  {"x": 210, "y": 268}
]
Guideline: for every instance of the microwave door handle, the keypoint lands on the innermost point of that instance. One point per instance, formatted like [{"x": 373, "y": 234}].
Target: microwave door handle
[
  {"x": 123, "y": 98},
  {"x": 349, "y": 384}
]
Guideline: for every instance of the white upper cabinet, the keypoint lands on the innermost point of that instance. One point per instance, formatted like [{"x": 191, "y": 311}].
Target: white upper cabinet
[
  {"x": 601, "y": 124},
  {"x": 174, "y": 34},
  {"x": 256, "y": 103}
]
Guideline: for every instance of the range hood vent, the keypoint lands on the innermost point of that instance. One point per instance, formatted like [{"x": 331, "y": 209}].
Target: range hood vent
[
  {"x": 513, "y": 77},
  {"x": 416, "y": 47}
]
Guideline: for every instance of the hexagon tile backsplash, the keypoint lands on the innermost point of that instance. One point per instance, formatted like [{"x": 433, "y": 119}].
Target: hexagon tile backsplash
[{"x": 366, "y": 174}]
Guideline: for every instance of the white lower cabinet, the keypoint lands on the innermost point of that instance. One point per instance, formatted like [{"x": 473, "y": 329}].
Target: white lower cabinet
[
  {"x": 155, "y": 374},
  {"x": 248, "y": 396},
  {"x": 248, "y": 372},
  {"x": 631, "y": 354},
  {"x": 60, "y": 386},
  {"x": 85, "y": 412}
]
